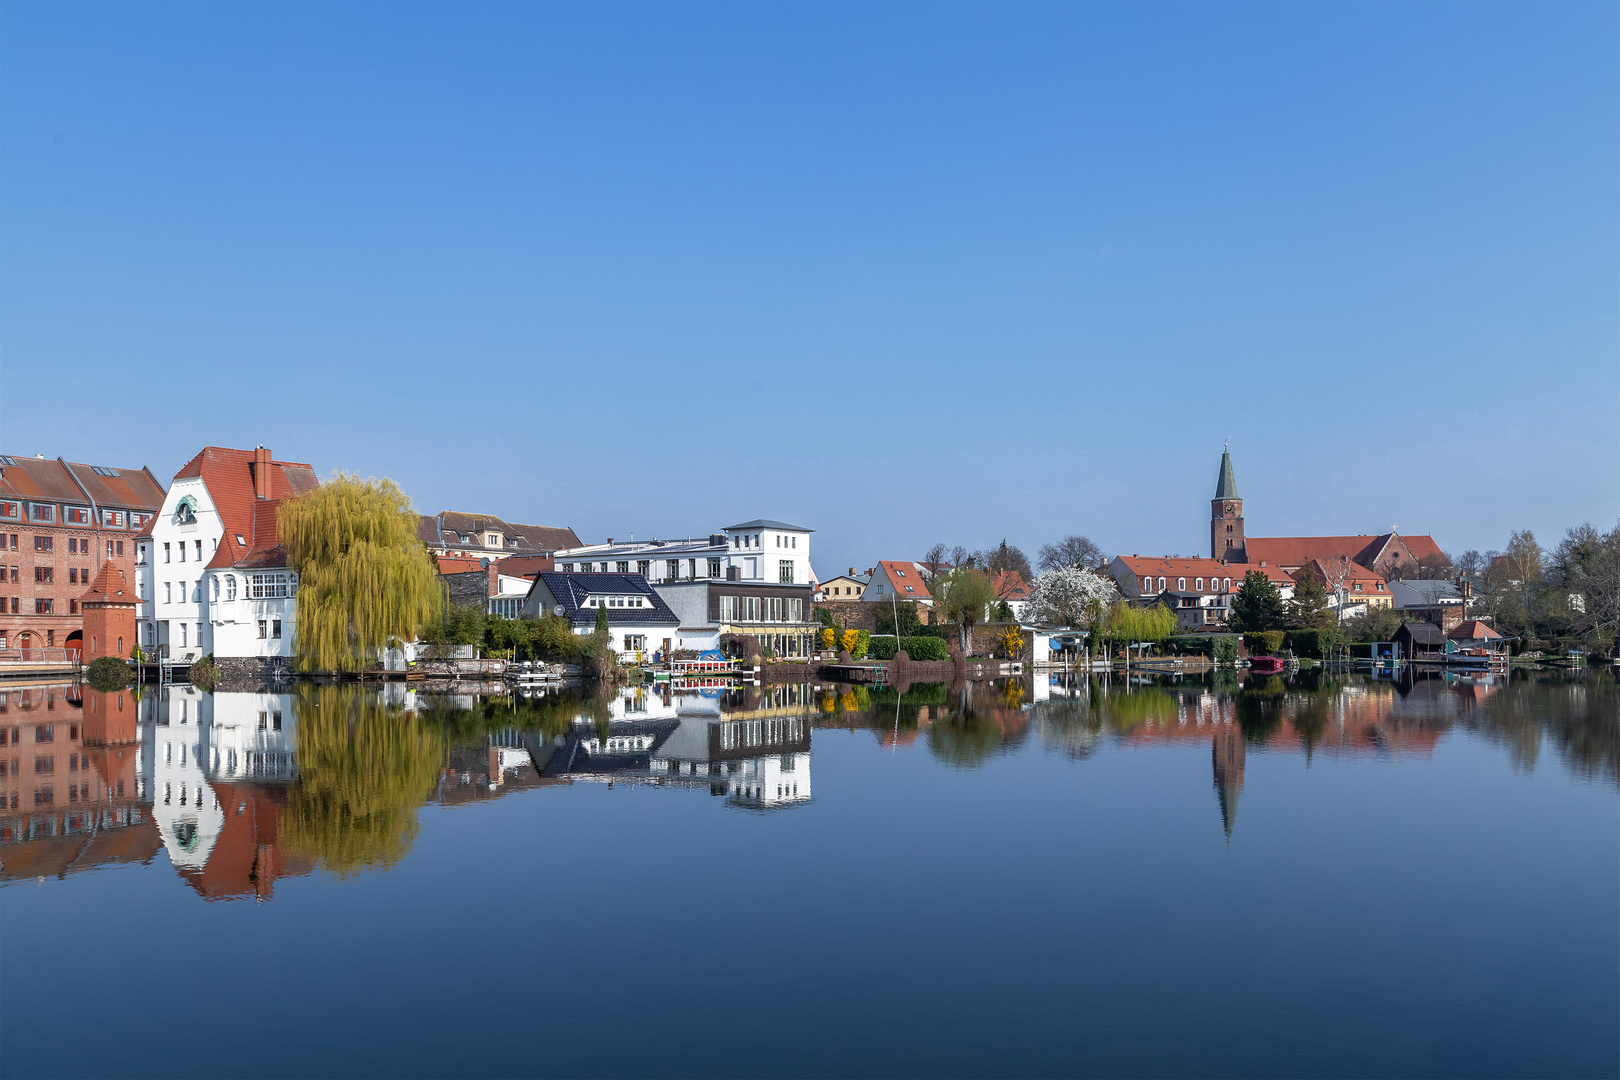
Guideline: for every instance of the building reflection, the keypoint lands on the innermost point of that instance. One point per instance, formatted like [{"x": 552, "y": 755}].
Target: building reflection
[{"x": 748, "y": 745}]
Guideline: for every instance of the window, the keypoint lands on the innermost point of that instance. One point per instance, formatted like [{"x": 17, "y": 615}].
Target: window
[
  {"x": 264, "y": 628},
  {"x": 73, "y": 545},
  {"x": 1181, "y": 584},
  {"x": 728, "y": 609},
  {"x": 42, "y": 574},
  {"x": 230, "y": 586},
  {"x": 635, "y": 642},
  {"x": 624, "y": 567},
  {"x": 773, "y": 609},
  {"x": 214, "y": 594},
  {"x": 1147, "y": 584},
  {"x": 1358, "y": 586},
  {"x": 784, "y": 571},
  {"x": 9, "y": 509},
  {"x": 795, "y": 610},
  {"x": 44, "y": 733},
  {"x": 492, "y": 540},
  {"x": 1161, "y": 584},
  {"x": 182, "y": 637},
  {"x": 1226, "y": 583},
  {"x": 77, "y": 515},
  {"x": 113, "y": 519},
  {"x": 166, "y": 552},
  {"x": 268, "y": 586},
  {"x": 568, "y": 568},
  {"x": 185, "y": 513},
  {"x": 672, "y": 569},
  {"x": 275, "y": 628},
  {"x": 795, "y": 541},
  {"x": 643, "y": 567},
  {"x": 751, "y": 609},
  {"x": 168, "y": 592},
  {"x": 44, "y": 513},
  {"x": 909, "y": 589},
  {"x": 199, "y": 551},
  {"x": 1199, "y": 584},
  {"x": 73, "y": 576},
  {"x": 44, "y": 543},
  {"x": 182, "y": 546},
  {"x": 714, "y": 567},
  {"x": 899, "y": 571},
  {"x": 73, "y": 607}
]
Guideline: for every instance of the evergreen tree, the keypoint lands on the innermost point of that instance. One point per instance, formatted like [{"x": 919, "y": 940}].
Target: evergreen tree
[
  {"x": 1258, "y": 605},
  {"x": 363, "y": 576},
  {"x": 1309, "y": 610}
]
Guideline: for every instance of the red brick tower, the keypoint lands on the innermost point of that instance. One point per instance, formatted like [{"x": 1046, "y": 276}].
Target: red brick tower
[
  {"x": 109, "y": 615},
  {"x": 1226, "y": 517}
]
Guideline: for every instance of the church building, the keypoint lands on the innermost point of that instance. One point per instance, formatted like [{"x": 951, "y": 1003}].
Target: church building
[{"x": 1386, "y": 557}]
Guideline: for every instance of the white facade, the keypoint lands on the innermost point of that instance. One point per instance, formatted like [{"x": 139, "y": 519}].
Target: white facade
[
  {"x": 761, "y": 551},
  {"x": 195, "y": 611}
]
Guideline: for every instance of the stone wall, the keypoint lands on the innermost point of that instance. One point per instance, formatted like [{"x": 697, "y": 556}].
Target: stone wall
[{"x": 850, "y": 614}]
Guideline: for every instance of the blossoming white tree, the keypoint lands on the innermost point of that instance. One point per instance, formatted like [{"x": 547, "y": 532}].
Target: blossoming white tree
[{"x": 1069, "y": 596}]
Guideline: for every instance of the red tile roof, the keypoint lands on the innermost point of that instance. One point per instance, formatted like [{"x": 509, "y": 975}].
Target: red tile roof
[
  {"x": 1296, "y": 551},
  {"x": 905, "y": 578},
  {"x": 1353, "y": 572},
  {"x": 1010, "y": 585},
  {"x": 110, "y": 587},
  {"x": 1175, "y": 566},
  {"x": 228, "y": 475},
  {"x": 1472, "y": 630}
]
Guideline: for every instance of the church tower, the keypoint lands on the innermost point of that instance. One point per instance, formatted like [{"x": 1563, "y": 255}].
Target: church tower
[{"x": 1226, "y": 517}]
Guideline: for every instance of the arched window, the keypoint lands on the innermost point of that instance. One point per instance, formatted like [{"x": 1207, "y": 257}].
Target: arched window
[
  {"x": 1147, "y": 584},
  {"x": 1199, "y": 584},
  {"x": 214, "y": 593},
  {"x": 1181, "y": 584},
  {"x": 1226, "y": 583},
  {"x": 1161, "y": 584},
  {"x": 185, "y": 511}
]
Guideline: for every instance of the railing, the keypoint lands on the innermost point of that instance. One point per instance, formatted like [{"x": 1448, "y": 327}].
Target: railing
[
  {"x": 682, "y": 667},
  {"x": 40, "y": 656}
]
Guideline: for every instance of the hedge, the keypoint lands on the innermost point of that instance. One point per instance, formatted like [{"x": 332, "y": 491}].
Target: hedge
[
  {"x": 1313, "y": 643},
  {"x": 881, "y": 647},
  {"x": 1264, "y": 641},
  {"x": 108, "y": 673},
  {"x": 925, "y": 648}
]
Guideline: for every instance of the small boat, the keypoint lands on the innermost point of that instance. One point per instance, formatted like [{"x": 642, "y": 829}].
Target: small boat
[{"x": 1267, "y": 665}]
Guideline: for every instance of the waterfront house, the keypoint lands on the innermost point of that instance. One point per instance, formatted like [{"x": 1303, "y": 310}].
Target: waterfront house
[
  {"x": 850, "y": 586},
  {"x": 1472, "y": 638},
  {"x": 638, "y": 619},
  {"x": 1199, "y": 590},
  {"x": 487, "y": 536},
  {"x": 1420, "y": 641},
  {"x": 210, "y": 566},
  {"x": 901, "y": 580},
  {"x": 1439, "y": 602},
  {"x": 1012, "y": 589},
  {"x": 61, "y": 522},
  {"x": 751, "y": 579}
]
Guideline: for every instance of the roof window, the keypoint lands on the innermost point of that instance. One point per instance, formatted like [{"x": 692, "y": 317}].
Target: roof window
[
  {"x": 6, "y": 459},
  {"x": 240, "y": 541},
  {"x": 103, "y": 470}
]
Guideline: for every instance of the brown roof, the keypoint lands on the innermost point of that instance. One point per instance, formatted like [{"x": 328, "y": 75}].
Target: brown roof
[
  {"x": 1472, "y": 630},
  {"x": 447, "y": 529},
  {"x": 1353, "y": 572},
  {"x": 1176, "y": 566},
  {"x": 53, "y": 479},
  {"x": 110, "y": 587}
]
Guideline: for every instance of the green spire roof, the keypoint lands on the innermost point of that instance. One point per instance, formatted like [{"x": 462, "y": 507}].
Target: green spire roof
[{"x": 1226, "y": 486}]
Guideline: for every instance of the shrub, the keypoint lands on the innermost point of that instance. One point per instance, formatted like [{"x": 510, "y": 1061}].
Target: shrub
[
  {"x": 882, "y": 647},
  {"x": 863, "y": 642},
  {"x": 1314, "y": 643},
  {"x": 829, "y": 638},
  {"x": 1263, "y": 641},
  {"x": 925, "y": 648},
  {"x": 108, "y": 673},
  {"x": 204, "y": 673},
  {"x": 1224, "y": 649}
]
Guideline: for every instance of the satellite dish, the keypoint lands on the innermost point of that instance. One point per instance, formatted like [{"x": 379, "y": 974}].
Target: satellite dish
[
  {"x": 483, "y": 564},
  {"x": 558, "y": 610}
]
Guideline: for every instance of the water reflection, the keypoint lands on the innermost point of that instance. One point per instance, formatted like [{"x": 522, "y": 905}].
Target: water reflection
[{"x": 241, "y": 790}]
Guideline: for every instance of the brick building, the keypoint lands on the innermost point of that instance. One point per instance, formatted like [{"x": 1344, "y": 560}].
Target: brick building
[{"x": 60, "y": 523}]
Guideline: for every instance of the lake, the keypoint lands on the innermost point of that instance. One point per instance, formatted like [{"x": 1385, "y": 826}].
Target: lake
[{"x": 1346, "y": 875}]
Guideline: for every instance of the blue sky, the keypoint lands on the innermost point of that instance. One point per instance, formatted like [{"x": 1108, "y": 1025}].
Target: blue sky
[{"x": 898, "y": 273}]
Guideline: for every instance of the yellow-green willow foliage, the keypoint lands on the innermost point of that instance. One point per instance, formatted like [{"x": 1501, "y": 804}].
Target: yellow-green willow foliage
[
  {"x": 364, "y": 769},
  {"x": 363, "y": 576}
]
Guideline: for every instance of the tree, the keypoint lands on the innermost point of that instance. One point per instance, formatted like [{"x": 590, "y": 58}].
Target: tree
[
  {"x": 1074, "y": 552},
  {"x": 598, "y": 648},
  {"x": 961, "y": 598},
  {"x": 1586, "y": 569},
  {"x": 364, "y": 578},
  {"x": 1131, "y": 624},
  {"x": 1309, "y": 610},
  {"x": 1258, "y": 605},
  {"x": 1069, "y": 596},
  {"x": 1005, "y": 557},
  {"x": 934, "y": 558},
  {"x": 459, "y": 625},
  {"x": 1470, "y": 563},
  {"x": 906, "y": 613},
  {"x": 1435, "y": 567},
  {"x": 1374, "y": 624}
]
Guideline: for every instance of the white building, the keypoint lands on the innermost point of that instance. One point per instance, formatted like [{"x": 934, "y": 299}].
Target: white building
[
  {"x": 760, "y": 551},
  {"x": 211, "y": 572}
]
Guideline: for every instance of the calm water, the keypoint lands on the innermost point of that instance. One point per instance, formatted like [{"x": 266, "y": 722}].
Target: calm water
[{"x": 1332, "y": 877}]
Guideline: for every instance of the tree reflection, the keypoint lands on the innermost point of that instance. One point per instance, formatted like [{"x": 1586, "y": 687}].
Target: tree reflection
[{"x": 365, "y": 767}]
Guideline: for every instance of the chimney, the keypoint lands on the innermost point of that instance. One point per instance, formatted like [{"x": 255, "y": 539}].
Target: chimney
[
  {"x": 610, "y": 540},
  {"x": 261, "y": 473},
  {"x": 852, "y": 571}
]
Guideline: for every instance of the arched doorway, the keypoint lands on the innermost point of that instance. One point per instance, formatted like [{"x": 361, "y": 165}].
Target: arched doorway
[
  {"x": 74, "y": 645},
  {"x": 26, "y": 640}
]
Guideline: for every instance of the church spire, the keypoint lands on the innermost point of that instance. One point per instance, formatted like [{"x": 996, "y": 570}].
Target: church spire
[{"x": 1226, "y": 486}]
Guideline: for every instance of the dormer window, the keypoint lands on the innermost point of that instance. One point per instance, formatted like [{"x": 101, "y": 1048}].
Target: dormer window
[
  {"x": 492, "y": 540},
  {"x": 185, "y": 511}
]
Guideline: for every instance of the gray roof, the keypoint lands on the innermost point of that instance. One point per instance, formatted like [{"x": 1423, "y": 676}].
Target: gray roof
[
  {"x": 1226, "y": 486},
  {"x": 1432, "y": 590},
  {"x": 572, "y": 590},
  {"x": 767, "y": 523}
]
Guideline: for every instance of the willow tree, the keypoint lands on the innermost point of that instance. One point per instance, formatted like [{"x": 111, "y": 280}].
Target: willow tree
[
  {"x": 364, "y": 769},
  {"x": 363, "y": 577}
]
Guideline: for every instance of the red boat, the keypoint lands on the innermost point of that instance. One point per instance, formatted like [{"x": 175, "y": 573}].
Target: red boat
[{"x": 1267, "y": 665}]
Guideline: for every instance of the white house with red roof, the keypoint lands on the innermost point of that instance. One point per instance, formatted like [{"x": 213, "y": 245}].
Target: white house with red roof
[
  {"x": 212, "y": 572},
  {"x": 899, "y": 580}
]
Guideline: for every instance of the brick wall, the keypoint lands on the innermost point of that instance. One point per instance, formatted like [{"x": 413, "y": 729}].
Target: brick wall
[
  {"x": 851, "y": 614},
  {"x": 73, "y": 557}
]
